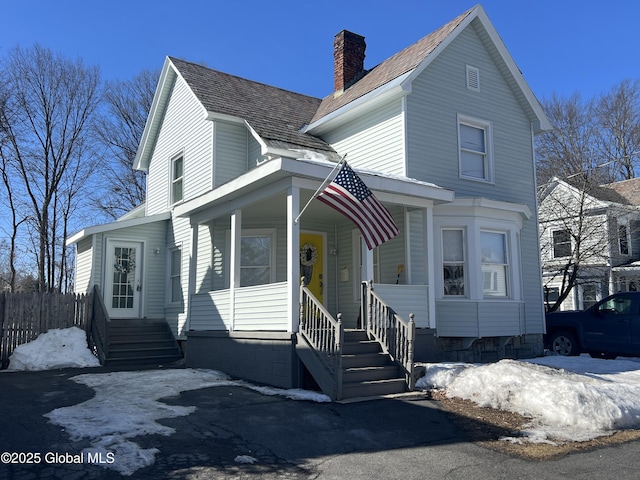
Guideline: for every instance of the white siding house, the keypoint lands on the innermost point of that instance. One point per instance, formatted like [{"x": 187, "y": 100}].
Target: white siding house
[{"x": 442, "y": 134}]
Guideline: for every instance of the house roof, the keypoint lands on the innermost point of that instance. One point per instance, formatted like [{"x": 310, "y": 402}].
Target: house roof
[
  {"x": 284, "y": 120},
  {"x": 414, "y": 59},
  {"x": 276, "y": 115},
  {"x": 626, "y": 190},
  {"x": 392, "y": 68}
]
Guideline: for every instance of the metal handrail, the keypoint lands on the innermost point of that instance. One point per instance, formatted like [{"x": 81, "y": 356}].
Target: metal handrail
[{"x": 395, "y": 335}]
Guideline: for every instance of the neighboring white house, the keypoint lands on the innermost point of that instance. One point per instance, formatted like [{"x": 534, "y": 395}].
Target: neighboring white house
[
  {"x": 442, "y": 133},
  {"x": 597, "y": 229}
]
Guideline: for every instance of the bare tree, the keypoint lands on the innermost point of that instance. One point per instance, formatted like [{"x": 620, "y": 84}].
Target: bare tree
[
  {"x": 570, "y": 148},
  {"x": 618, "y": 116},
  {"x": 46, "y": 125},
  {"x": 128, "y": 104}
]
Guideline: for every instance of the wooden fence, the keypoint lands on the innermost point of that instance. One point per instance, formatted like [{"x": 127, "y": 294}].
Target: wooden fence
[{"x": 24, "y": 316}]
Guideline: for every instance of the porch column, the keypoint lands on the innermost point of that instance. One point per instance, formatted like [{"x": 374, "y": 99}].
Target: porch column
[
  {"x": 367, "y": 261},
  {"x": 293, "y": 258},
  {"x": 193, "y": 268},
  {"x": 431, "y": 266},
  {"x": 234, "y": 262}
]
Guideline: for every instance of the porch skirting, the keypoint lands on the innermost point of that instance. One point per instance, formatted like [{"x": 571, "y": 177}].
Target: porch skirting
[{"x": 267, "y": 358}]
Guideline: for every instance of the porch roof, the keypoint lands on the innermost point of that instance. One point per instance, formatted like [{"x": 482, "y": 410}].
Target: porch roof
[
  {"x": 277, "y": 175},
  {"x": 124, "y": 223}
]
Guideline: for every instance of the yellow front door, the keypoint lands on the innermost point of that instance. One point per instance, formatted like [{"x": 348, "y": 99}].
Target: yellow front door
[{"x": 311, "y": 263}]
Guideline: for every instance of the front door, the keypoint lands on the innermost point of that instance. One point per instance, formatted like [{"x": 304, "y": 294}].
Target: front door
[
  {"x": 122, "y": 283},
  {"x": 311, "y": 263}
]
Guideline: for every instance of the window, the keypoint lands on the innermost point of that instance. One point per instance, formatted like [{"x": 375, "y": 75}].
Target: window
[
  {"x": 177, "y": 179},
  {"x": 453, "y": 261},
  {"x": 175, "y": 264},
  {"x": 475, "y": 142},
  {"x": 551, "y": 295},
  {"x": 256, "y": 259},
  {"x": 561, "y": 243},
  {"x": 493, "y": 248},
  {"x": 623, "y": 239}
]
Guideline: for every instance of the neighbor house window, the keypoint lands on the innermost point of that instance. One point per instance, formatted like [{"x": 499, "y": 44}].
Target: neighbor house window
[
  {"x": 495, "y": 266},
  {"x": 623, "y": 239},
  {"x": 256, "y": 259},
  {"x": 175, "y": 263},
  {"x": 475, "y": 149},
  {"x": 177, "y": 179},
  {"x": 453, "y": 265},
  {"x": 561, "y": 243}
]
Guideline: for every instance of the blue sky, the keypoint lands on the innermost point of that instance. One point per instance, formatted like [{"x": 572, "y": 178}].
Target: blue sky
[{"x": 561, "y": 46}]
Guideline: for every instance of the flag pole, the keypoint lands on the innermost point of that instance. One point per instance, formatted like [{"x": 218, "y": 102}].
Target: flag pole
[{"x": 322, "y": 185}]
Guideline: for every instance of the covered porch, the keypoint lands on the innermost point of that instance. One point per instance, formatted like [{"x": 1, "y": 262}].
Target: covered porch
[{"x": 251, "y": 245}]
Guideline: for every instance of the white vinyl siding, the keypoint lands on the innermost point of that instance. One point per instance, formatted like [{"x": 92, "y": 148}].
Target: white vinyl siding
[
  {"x": 437, "y": 97},
  {"x": 375, "y": 140},
  {"x": 230, "y": 152},
  {"x": 184, "y": 129},
  {"x": 84, "y": 264}
]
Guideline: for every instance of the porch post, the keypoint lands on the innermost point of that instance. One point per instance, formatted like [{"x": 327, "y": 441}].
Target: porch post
[
  {"x": 234, "y": 262},
  {"x": 430, "y": 235},
  {"x": 293, "y": 258},
  {"x": 367, "y": 261},
  {"x": 193, "y": 268}
]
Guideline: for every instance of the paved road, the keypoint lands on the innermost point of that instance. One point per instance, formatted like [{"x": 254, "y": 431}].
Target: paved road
[{"x": 405, "y": 438}]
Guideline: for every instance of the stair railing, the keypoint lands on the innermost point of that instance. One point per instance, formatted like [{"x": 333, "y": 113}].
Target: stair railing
[
  {"x": 395, "y": 335},
  {"x": 99, "y": 326},
  {"x": 324, "y": 333}
]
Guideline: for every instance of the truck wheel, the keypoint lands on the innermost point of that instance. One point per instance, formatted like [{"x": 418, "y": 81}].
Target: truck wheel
[{"x": 564, "y": 343}]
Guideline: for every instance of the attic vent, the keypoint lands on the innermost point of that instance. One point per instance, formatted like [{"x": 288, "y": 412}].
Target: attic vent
[{"x": 473, "y": 78}]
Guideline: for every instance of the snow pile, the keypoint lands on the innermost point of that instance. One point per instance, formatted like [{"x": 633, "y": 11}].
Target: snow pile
[
  {"x": 567, "y": 398},
  {"x": 57, "y": 348}
]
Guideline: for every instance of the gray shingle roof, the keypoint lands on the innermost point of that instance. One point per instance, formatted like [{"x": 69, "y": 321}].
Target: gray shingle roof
[
  {"x": 395, "y": 66},
  {"x": 275, "y": 114}
]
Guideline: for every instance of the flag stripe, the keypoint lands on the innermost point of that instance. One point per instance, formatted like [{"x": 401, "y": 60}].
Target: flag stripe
[{"x": 349, "y": 195}]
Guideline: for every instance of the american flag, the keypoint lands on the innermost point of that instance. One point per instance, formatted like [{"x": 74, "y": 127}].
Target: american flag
[{"x": 348, "y": 194}]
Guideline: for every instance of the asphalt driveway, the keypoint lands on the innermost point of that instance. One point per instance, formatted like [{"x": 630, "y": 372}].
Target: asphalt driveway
[{"x": 402, "y": 438}]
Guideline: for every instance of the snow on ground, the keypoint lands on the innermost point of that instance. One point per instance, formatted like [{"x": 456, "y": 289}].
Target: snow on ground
[{"x": 573, "y": 398}]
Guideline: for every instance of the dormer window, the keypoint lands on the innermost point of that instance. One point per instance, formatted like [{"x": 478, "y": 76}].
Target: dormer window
[{"x": 177, "y": 177}]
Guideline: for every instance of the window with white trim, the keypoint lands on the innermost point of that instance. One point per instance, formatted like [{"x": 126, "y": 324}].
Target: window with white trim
[
  {"x": 256, "y": 257},
  {"x": 474, "y": 138},
  {"x": 453, "y": 261},
  {"x": 623, "y": 239},
  {"x": 175, "y": 264},
  {"x": 561, "y": 243},
  {"x": 177, "y": 179},
  {"x": 495, "y": 264}
]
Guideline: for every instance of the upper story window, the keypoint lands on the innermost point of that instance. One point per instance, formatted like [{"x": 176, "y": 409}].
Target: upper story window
[
  {"x": 177, "y": 179},
  {"x": 623, "y": 239},
  {"x": 561, "y": 243},
  {"x": 495, "y": 265},
  {"x": 474, "y": 137},
  {"x": 453, "y": 261}
]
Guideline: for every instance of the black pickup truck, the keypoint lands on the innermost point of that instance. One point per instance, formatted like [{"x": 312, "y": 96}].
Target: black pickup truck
[{"x": 608, "y": 329}]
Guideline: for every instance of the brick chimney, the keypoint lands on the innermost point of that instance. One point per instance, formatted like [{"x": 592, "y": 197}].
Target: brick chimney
[{"x": 348, "y": 59}]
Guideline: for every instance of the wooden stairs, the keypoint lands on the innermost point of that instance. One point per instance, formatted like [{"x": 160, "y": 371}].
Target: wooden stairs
[
  {"x": 136, "y": 341},
  {"x": 366, "y": 370}
]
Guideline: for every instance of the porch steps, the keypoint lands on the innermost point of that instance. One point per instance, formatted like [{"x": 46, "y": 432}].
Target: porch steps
[
  {"x": 367, "y": 372},
  {"x": 141, "y": 342}
]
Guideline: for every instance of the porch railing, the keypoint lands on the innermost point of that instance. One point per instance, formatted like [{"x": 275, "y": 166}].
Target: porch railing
[
  {"x": 395, "y": 335},
  {"x": 99, "y": 336},
  {"x": 323, "y": 333}
]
